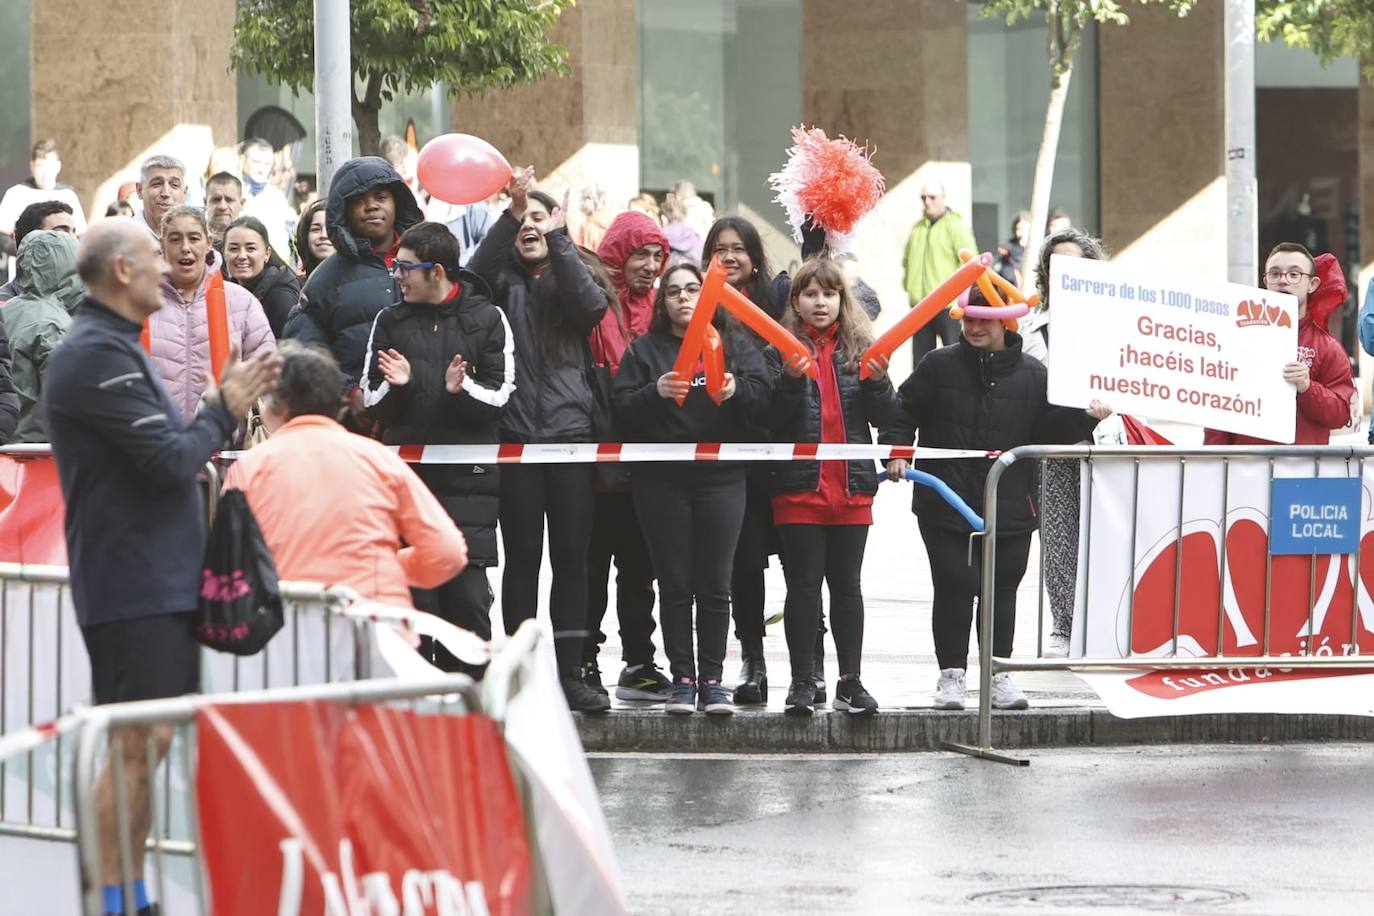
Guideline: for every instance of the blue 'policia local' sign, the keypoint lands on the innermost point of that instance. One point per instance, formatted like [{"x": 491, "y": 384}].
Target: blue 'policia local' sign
[{"x": 1314, "y": 515}]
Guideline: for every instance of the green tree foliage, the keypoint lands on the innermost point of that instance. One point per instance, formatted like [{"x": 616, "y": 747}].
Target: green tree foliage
[
  {"x": 404, "y": 46},
  {"x": 1065, "y": 21},
  {"x": 1330, "y": 28}
]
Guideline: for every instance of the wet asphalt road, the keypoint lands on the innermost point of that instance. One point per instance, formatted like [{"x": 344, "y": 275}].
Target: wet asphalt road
[{"x": 1206, "y": 830}]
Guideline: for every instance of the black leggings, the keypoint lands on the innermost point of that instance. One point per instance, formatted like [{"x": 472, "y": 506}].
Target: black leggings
[
  {"x": 958, "y": 582},
  {"x": 616, "y": 533},
  {"x": 835, "y": 554},
  {"x": 751, "y": 559},
  {"x": 691, "y": 518},
  {"x": 563, "y": 492}
]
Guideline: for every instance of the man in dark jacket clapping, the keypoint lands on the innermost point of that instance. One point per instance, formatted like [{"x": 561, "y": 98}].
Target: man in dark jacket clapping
[
  {"x": 439, "y": 369},
  {"x": 135, "y": 519}
]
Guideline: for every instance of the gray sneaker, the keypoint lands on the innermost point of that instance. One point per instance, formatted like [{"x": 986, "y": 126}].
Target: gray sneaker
[
  {"x": 714, "y": 699},
  {"x": 950, "y": 689},
  {"x": 1057, "y": 647},
  {"x": 1005, "y": 695}
]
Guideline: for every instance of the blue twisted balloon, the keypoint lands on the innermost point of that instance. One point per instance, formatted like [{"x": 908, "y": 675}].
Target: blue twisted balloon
[{"x": 939, "y": 486}]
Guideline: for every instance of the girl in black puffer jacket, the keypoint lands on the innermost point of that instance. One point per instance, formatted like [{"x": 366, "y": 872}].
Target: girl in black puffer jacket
[
  {"x": 823, "y": 510},
  {"x": 980, "y": 393},
  {"x": 691, "y": 512}
]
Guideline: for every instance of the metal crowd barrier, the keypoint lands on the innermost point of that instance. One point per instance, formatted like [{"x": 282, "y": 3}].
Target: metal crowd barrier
[
  {"x": 44, "y": 673},
  {"x": 173, "y": 861},
  {"x": 171, "y": 797},
  {"x": 990, "y": 665}
]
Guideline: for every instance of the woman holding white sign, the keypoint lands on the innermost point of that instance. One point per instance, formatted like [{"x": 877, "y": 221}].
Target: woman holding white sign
[{"x": 981, "y": 393}]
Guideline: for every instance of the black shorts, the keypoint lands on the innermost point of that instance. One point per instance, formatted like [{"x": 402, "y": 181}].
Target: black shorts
[{"x": 145, "y": 658}]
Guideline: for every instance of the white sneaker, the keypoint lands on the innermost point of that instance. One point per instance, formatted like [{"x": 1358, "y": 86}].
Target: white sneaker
[
  {"x": 949, "y": 689},
  {"x": 1005, "y": 695},
  {"x": 1057, "y": 647}
]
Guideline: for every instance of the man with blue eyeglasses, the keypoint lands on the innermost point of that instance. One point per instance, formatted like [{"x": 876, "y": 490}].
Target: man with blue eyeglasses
[{"x": 440, "y": 369}]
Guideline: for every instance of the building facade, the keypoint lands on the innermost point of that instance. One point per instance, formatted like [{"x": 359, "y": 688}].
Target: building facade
[{"x": 663, "y": 90}]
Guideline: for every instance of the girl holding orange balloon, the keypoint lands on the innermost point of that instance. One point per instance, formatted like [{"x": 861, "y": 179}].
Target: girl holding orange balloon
[
  {"x": 691, "y": 512},
  {"x": 823, "y": 509},
  {"x": 737, "y": 245}
]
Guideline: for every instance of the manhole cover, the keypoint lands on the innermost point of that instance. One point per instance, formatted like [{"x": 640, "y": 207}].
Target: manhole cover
[{"x": 1141, "y": 896}]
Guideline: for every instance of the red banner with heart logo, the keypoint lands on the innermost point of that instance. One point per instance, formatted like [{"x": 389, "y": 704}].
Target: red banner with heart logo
[
  {"x": 325, "y": 808},
  {"x": 1178, "y": 563}
]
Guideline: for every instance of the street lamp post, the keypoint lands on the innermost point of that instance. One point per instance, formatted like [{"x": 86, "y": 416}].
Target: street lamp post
[
  {"x": 333, "y": 90},
  {"x": 1240, "y": 142}
]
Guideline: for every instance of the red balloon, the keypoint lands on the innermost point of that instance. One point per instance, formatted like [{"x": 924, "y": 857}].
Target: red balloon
[{"x": 462, "y": 169}]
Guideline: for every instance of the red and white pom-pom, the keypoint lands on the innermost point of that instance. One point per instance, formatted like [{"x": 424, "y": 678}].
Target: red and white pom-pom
[{"x": 832, "y": 181}]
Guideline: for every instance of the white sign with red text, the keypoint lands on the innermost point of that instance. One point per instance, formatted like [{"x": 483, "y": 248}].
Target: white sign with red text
[
  {"x": 1179, "y": 565},
  {"x": 1206, "y": 353}
]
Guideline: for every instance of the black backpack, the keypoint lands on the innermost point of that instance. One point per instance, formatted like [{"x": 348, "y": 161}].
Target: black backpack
[{"x": 240, "y": 603}]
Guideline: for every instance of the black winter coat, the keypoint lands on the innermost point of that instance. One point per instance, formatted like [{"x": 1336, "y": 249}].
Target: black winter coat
[
  {"x": 135, "y": 514},
  {"x": 279, "y": 291},
  {"x": 552, "y": 403},
  {"x": 642, "y": 415},
  {"x": 960, "y": 397},
  {"x": 796, "y": 417},
  {"x": 353, "y": 284},
  {"x": 423, "y": 412}
]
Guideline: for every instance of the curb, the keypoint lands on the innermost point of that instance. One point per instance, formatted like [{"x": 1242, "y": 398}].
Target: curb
[{"x": 927, "y": 729}]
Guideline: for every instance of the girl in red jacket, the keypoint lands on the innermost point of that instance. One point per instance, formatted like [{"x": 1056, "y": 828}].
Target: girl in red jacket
[{"x": 823, "y": 509}]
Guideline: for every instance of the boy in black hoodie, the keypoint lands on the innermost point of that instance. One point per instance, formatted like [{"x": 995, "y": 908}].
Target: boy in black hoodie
[{"x": 439, "y": 369}]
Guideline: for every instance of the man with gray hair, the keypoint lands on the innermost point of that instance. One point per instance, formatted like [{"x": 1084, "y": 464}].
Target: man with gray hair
[
  {"x": 135, "y": 520},
  {"x": 932, "y": 254},
  {"x": 161, "y": 186}
]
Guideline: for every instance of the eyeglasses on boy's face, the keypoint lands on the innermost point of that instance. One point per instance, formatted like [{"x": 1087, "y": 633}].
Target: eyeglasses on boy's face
[
  {"x": 399, "y": 267},
  {"x": 1292, "y": 276}
]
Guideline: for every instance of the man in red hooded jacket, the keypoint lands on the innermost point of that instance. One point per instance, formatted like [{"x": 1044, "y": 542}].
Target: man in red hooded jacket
[
  {"x": 635, "y": 252},
  {"x": 1321, "y": 371}
]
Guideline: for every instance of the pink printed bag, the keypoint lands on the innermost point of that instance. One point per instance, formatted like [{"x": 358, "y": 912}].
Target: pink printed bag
[{"x": 240, "y": 603}]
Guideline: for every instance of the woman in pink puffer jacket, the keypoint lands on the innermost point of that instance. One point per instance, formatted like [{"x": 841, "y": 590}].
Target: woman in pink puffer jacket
[{"x": 179, "y": 333}]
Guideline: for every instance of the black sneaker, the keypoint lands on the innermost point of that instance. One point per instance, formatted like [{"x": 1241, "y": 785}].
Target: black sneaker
[
  {"x": 682, "y": 698},
  {"x": 591, "y": 676},
  {"x": 643, "y": 682},
  {"x": 801, "y": 698},
  {"x": 714, "y": 699},
  {"x": 851, "y": 697},
  {"x": 582, "y": 698}
]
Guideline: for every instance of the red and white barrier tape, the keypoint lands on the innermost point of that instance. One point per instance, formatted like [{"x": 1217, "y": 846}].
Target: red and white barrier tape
[
  {"x": 637, "y": 452},
  {"x": 26, "y": 739}
]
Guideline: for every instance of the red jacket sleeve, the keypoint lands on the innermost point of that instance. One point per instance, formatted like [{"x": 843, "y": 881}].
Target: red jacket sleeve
[{"x": 1327, "y": 400}]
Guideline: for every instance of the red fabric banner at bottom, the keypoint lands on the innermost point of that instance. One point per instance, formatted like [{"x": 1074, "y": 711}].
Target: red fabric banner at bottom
[{"x": 325, "y": 808}]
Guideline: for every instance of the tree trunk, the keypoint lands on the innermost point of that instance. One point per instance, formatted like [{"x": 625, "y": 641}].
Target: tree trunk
[
  {"x": 367, "y": 117},
  {"x": 1043, "y": 184},
  {"x": 367, "y": 120}
]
